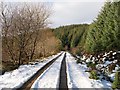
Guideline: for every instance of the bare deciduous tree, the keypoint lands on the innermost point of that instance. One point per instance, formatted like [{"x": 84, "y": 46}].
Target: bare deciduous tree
[{"x": 20, "y": 28}]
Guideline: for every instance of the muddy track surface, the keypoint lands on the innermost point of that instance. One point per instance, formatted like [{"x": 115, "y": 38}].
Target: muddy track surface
[
  {"x": 63, "y": 75},
  {"x": 27, "y": 85}
]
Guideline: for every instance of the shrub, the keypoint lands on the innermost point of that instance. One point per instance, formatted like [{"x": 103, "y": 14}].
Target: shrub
[
  {"x": 91, "y": 65},
  {"x": 116, "y": 82},
  {"x": 93, "y": 75}
]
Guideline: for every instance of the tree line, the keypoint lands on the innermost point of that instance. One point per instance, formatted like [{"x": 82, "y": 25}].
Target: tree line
[
  {"x": 71, "y": 36},
  {"x": 103, "y": 34}
]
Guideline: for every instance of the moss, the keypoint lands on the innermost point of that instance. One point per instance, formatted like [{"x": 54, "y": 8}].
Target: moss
[{"x": 93, "y": 75}]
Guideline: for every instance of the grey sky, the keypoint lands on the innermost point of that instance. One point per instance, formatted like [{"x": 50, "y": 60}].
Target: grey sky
[{"x": 65, "y": 13}]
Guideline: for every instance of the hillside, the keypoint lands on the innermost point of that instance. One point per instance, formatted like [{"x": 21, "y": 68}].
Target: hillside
[{"x": 72, "y": 36}]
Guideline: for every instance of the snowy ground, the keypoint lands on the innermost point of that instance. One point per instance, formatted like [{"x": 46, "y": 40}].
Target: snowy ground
[
  {"x": 50, "y": 77},
  {"x": 78, "y": 78},
  {"x": 17, "y": 77}
]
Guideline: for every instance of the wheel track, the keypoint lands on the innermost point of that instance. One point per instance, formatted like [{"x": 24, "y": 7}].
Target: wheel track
[
  {"x": 27, "y": 85},
  {"x": 63, "y": 75}
]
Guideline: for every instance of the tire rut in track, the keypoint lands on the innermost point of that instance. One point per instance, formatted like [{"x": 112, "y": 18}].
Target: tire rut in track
[
  {"x": 27, "y": 85},
  {"x": 63, "y": 75}
]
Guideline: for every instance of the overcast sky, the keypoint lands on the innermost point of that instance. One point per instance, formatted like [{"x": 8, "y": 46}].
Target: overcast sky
[{"x": 67, "y": 12}]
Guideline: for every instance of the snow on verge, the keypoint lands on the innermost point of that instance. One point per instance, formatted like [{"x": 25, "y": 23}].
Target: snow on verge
[
  {"x": 50, "y": 77},
  {"x": 78, "y": 78},
  {"x": 17, "y": 77}
]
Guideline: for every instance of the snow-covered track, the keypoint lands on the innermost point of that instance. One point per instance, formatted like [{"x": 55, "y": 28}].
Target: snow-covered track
[
  {"x": 63, "y": 75},
  {"x": 50, "y": 77},
  {"x": 27, "y": 85}
]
